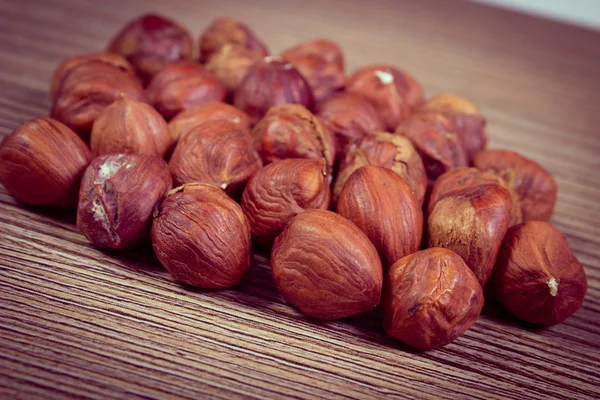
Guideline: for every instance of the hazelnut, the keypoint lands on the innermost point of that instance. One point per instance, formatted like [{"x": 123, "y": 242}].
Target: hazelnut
[
  {"x": 534, "y": 185},
  {"x": 272, "y": 82},
  {"x": 151, "y": 42},
  {"x": 291, "y": 131},
  {"x": 468, "y": 122},
  {"x": 41, "y": 163},
  {"x": 182, "y": 85},
  {"x": 327, "y": 50},
  {"x": 537, "y": 278},
  {"x": 282, "y": 190},
  {"x": 382, "y": 204},
  {"x": 223, "y": 31},
  {"x": 393, "y": 92},
  {"x": 202, "y": 237},
  {"x": 430, "y": 298},
  {"x": 326, "y": 266},
  {"x": 472, "y": 222},
  {"x": 434, "y": 139},
  {"x": 384, "y": 150},
  {"x": 118, "y": 195},
  {"x": 130, "y": 126},
  {"x": 231, "y": 64},
  {"x": 220, "y": 153}
]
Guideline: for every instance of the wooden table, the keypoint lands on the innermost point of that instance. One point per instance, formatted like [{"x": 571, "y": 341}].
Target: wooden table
[{"x": 79, "y": 322}]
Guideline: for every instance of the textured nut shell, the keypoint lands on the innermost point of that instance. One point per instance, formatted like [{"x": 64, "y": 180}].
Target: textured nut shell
[
  {"x": 327, "y": 50},
  {"x": 326, "y": 266},
  {"x": 537, "y": 278},
  {"x": 430, "y": 298},
  {"x": 41, "y": 163},
  {"x": 129, "y": 126},
  {"x": 534, "y": 185},
  {"x": 472, "y": 222},
  {"x": 223, "y": 31},
  {"x": 118, "y": 195},
  {"x": 282, "y": 190},
  {"x": 202, "y": 237},
  {"x": 231, "y": 64},
  {"x": 382, "y": 204}
]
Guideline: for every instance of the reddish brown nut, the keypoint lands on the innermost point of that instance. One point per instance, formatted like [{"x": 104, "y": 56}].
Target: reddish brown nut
[
  {"x": 41, "y": 163},
  {"x": 130, "y": 126},
  {"x": 384, "y": 150},
  {"x": 534, "y": 185},
  {"x": 272, "y": 82},
  {"x": 223, "y": 31},
  {"x": 151, "y": 42},
  {"x": 472, "y": 222},
  {"x": 220, "y": 153},
  {"x": 87, "y": 89},
  {"x": 202, "y": 237},
  {"x": 326, "y": 266},
  {"x": 393, "y": 92},
  {"x": 118, "y": 195},
  {"x": 382, "y": 204},
  {"x": 327, "y": 50},
  {"x": 430, "y": 298},
  {"x": 350, "y": 117},
  {"x": 282, "y": 190},
  {"x": 231, "y": 64},
  {"x": 537, "y": 278},
  {"x": 468, "y": 122},
  {"x": 183, "y": 85},
  {"x": 434, "y": 139},
  {"x": 291, "y": 131}
]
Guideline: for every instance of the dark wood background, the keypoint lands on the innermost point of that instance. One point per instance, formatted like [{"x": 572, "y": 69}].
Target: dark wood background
[{"x": 79, "y": 322}]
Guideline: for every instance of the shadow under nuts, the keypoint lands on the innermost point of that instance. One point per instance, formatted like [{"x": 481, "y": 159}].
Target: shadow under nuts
[
  {"x": 202, "y": 237},
  {"x": 326, "y": 266}
]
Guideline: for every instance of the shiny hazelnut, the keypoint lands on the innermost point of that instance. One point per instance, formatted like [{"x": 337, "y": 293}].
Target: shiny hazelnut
[
  {"x": 472, "y": 223},
  {"x": 384, "y": 150},
  {"x": 130, "y": 126},
  {"x": 430, "y": 298},
  {"x": 183, "y": 85},
  {"x": 231, "y": 64},
  {"x": 119, "y": 193},
  {"x": 41, "y": 163},
  {"x": 291, "y": 131},
  {"x": 393, "y": 92},
  {"x": 326, "y": 266},
  {"x": 272, "y": 82},
  {"x": 382, "y": 204},
  {"x": 282, "y": 190},
  {"x": 327, "y": 50},
  {"x": 223, "y": 31},
  {"x": 220, "y": 153},
  {"x": 151, "y": 42},
  {"x": 537, "y": 278},
  {"x": 534, "y": 185},
  {"x": 202, "y": 237}
]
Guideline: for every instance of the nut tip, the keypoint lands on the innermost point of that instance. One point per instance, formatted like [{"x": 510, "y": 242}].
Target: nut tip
[{"x": 553, "y": 286}]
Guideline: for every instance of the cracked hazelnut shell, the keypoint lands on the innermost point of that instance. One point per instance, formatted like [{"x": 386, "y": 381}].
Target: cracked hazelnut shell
[{"x": 223, "y": 31}]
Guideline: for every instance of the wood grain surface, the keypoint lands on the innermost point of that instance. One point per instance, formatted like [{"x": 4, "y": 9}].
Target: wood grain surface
[{"x": 77, "y": 322}]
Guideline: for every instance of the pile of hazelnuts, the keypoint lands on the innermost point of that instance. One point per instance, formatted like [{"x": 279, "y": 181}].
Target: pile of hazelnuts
[{"x": 363, "y": 191}]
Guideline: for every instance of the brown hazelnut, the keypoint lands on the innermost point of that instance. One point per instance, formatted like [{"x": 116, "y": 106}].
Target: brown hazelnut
[
  {"x": 434, "y": 139},
  {"x": 384, "y": 150},
  {"x": 272, "y": 82},
  {"x": 151, "y": 42},
  {"x": 282, "y": 190},
  {"x": 472, "y": 222},
  {"x": 182, "y": 85},
  {"x": 382, "y": 204},
  {"x": 223, "y": 31},
  {"x": 291, "y": 131},
  {"x": 41, "y": 163},
  {"x": 327, "y": 50},
  {"x": 130, "y": 126},
  {"x": 231, "y": 64},
  {"x": 220, "y": 153},
  {"x": 202, "y": 237},
  {"x": 430, "y": 298},
  {"x": 326, "y": 266},
  {"x": 534, "y": 185},
  {"x": 87, "y": 89},
  {"x": 537, "y": 278},
  {"x": 118, "y": 195},
  {"x": 393, "y": 92}
]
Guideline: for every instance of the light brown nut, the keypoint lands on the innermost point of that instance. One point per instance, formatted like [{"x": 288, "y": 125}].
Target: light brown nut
[{"x": 223, "y": 31}]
